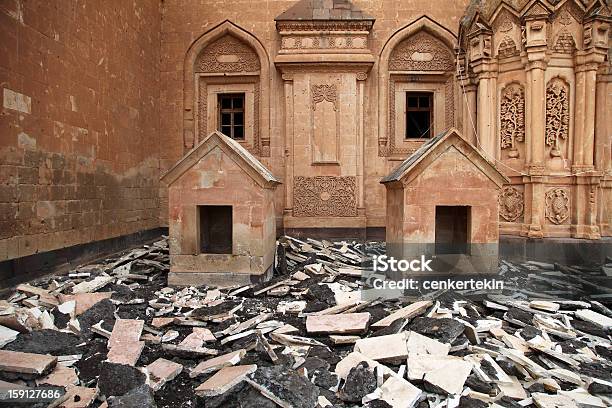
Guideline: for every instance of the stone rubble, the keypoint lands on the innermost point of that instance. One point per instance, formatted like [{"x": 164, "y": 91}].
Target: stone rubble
[{"x": 114, "y": 334}]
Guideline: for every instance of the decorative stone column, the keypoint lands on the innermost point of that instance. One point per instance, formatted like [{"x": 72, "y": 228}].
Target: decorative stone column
[
  {"x": 535, "y": 45},
  {"x": 588, "y": 61},
  {"x": 485, "y": 68}
]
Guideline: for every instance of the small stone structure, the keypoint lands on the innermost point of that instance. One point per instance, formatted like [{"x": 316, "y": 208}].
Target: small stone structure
[
  {"x": 221, "y": 213},
  {"x": 442, "y": 202}
]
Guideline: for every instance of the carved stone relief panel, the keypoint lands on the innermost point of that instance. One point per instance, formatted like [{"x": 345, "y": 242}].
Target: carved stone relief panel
[
  {"x": 557, "y": 205},
  {"x": 507, "y": 48},
  {"x": 557, "y": 114},
  {"x": 421, "y": 52},
  {"x": 227, "y": 54},
  {"x": 321, "y": 42},
  {"x": 512, "y": 118},
  {"x": 324, "y": 196},
  {"x": 506, "y": 39},
  {"x": 511, "y": 203},
  {"x": 325, "y": 123}
]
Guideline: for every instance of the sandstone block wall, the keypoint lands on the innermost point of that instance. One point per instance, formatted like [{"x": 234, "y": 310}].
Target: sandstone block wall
[{"x": 79, "y": 122}]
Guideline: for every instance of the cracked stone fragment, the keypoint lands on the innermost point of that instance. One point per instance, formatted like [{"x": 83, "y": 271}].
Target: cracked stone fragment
[
  {"x": 552, "y": 401},
  {"x": 161, "y": 371},
  {"x": 118, "y": 379},
  {"x": 217, "y": 363},
  {"x": 407, "y": 312},
  {"x": 360, "y": 382},
  {"x": 384, "y": 348},
  {"x": 445, "y": 330},
  {"x": 141, "y": 397},
  {"x": 347, "y": 323},
  {"x": 25, "y": 363},
  {"x": 225, "y": 379},
  {"x": 61, "y": 376},
  {"x": 285, "y": 387},
  {"x": 399, "y": 393}
]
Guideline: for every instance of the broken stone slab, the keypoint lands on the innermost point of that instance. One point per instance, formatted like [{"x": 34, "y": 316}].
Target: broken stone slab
[
  {"x": 141, "y": 397},
  {"x": 93, "y": 285},
  {"x": 118, "y": 379},
  {"x": 513, "y": 389},
  {"x": 594, "y": 317},
  {"x": 284, "y": 386},
  {"x": 289, "y": 340},
  {"x": 217, "y": 363},
  {"x": 197, "y": 338},
  {"x": 161, "y": 371},
  {"x": 224, "y": 379},
  {"x": 61, "y": 376},
  {"x": 7, "y": 335},
  {"x": 339, "y": 340},
  {"x": 443, "y": 374},
  {"x": 399, "y": 393},
  {"x": 189, "y": 352},
  {"x": 348, "y": 323},
  {"x": 84, "y": 301},
  {"x": 353, "y": 359},
  {"x": 542, "y": 400},
  {"x": 76, "y": 397},
  {"x": 544, "y": 305},
  {"x": 26, "y": 363},
  {"x": 583, "y": 399},
  {"x": 126, "y": 353},
  {"x": 125, "y": 331},
  {"x": 445, "y": 330},
  {"x": 32, "y": 290},
  {"x": 391, "y": 347},
  {"x": 419, "y": 344},
  {"x": 160, "y": 322},
  {"x": 404, "y": 313}
]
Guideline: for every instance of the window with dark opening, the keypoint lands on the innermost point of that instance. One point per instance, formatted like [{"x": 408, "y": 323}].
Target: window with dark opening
[
  {"x": 419, "y": 115},
  {"x": 231, "y": 115},
  {"x": 215, "y": 229},
  {"x": 452, "y": 223}
]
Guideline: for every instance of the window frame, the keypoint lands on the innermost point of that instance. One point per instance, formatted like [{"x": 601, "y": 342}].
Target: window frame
[
  {"x": 232, "y": 111},
  {"x": 430, "y": 109}
]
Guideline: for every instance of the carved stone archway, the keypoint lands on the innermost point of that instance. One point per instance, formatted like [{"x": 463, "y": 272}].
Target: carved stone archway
[
  {"x": 441, "y": 41},
  {"x": 191, "y": 83}
]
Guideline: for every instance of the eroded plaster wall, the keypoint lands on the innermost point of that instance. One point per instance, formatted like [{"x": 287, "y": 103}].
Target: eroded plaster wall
[
  {"x": 79, "y": 122},
  {"x": 187, "y": 20}
]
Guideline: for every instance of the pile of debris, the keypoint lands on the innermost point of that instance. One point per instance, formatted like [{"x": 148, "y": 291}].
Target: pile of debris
[{"x": 113, "y": 334}]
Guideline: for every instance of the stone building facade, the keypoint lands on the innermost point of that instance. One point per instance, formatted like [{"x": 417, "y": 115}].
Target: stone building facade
[
  {"x": 330, "y": 90},
  {"x": 330, "y": 95}
]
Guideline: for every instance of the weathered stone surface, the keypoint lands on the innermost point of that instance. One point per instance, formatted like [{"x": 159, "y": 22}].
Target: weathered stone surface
[
  {"x": 118, "y": 379},
  {"x": 384, "y": 348},
  {"x": 404, "y": 313},
  {"x": 216, "y": 363},
  {"x": 141, "y": 396},
  {"x": 285, "y": 387},
  {"x": 161, "y": 371},
  {"x": 444, "y": 330},
  {"x": 360, "y": 381},
  {"x": 51, "y": 342}
]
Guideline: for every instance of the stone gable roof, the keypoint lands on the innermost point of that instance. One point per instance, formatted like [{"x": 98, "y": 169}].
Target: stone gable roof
[
  {"x": 438, "y": 143},
  {"x": 235, "y": 150},
  {"x": 308, "y": 10}
]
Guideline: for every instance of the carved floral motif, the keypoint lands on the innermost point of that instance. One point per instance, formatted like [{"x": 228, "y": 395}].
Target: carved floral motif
[
  {"x": 421, "y": 52},
  {"x": 557, "y": 114},
  {"x": 511, "y": 203},
  {"x": 565, "y": 43},
  {"x": 507, "y": 48},
  {"x": 512, "y": 118},
  {"x": 227, "y": 54},
  {"x": 324, "y": 196},
  {"x": 557, "y": 205},
  {"x": 324, "y": 92}
]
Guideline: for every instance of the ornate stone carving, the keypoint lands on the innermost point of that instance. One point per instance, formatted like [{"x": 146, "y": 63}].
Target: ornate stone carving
[
  {"x": 511, "y": 203},
  {"x": 449, "y": 104},
  {"x": 557, "y": 205},
  {"x": 507, "y": 48},
  {"x": 565, "y": 43},
  {"x": 557, "y": 114},
  {"x": 324, "y": 92},
  {"x": 512, "y": 118},
  {"x": 227, "y": 54},
  {"x": 421, "y": 52},
  {"x": 324, "y": 196},
  {"x": 505, "y": 25}
]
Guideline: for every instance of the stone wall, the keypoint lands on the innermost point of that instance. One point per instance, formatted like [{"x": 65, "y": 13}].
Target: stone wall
[
  {"x": 184, "y": 22},
  {"x": 79, "y": 123}
]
